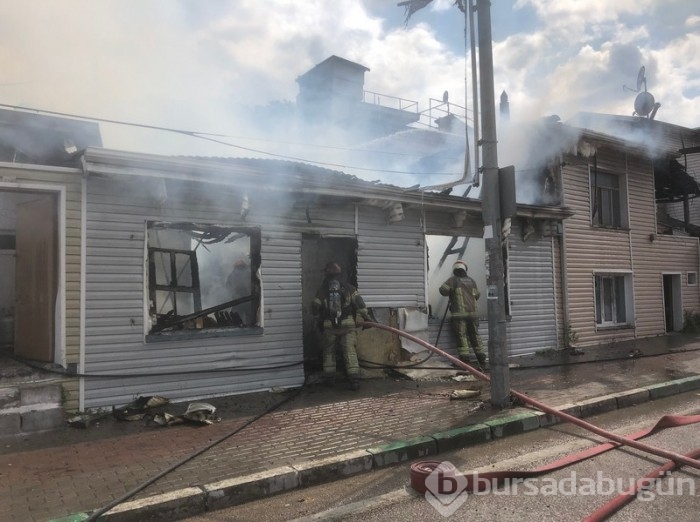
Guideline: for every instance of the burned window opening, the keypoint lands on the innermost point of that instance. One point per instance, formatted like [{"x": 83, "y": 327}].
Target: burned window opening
[
  {"x": 202, "y": 277},
  {"x": 673, "y": 183}
]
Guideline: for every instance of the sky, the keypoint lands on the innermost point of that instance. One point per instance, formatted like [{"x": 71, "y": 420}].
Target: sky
[{"x": 212, "y": 65}]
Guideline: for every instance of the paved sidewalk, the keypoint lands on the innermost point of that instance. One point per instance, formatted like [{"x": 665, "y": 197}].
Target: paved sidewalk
[{"x": 318, "y": 435}]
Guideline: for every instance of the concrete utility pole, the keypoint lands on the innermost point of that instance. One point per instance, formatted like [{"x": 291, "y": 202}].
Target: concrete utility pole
[{"x": 491, "y": 212}]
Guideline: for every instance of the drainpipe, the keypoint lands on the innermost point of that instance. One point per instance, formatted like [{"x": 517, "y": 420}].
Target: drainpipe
[
  {"x": 469, "y": 11},
  {"x": 475, "y": 94},
  {"x": 562, "y": 254},
  {"x": 631, "y": 245},
  {"x": 83, "y": 269}
]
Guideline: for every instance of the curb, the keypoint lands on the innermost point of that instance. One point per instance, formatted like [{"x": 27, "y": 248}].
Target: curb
[{"x": 235, "y": 491}]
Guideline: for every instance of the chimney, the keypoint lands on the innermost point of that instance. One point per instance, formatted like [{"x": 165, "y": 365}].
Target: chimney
[
  {"x": 332, "y": 89},
  {"x": 504, "y": 107}
]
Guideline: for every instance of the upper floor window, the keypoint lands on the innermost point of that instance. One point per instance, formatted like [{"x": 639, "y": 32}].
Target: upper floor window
[
  {"x": 202, "y": 277},
  {"x": 608, "y": 199}
]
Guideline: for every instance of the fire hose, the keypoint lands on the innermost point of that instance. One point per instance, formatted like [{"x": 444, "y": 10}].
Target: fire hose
[
  {"x": 474, "y": 482},
  {"x": 477, "y": 482},
  {"x": 660, "y": 452}
]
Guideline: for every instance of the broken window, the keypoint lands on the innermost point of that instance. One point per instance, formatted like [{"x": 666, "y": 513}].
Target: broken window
[{"x": 202, "y": 277}]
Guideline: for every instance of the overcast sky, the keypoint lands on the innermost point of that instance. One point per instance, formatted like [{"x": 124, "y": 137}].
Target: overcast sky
[{"x": 203, "y": 64}]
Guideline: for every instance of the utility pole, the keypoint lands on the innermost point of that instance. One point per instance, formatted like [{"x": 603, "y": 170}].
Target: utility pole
[
  {"x": 491, "y": 213},
  {"x": 491, "y": 197}
]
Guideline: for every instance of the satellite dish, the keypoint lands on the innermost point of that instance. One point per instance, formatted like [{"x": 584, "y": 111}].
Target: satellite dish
[
  {"x": 641, "y": 79},
  {"x": 643, "y": 103}
]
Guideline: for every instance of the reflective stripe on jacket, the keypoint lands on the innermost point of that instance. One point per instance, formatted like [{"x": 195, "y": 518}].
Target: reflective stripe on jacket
[{"x": 463, "y": 294}]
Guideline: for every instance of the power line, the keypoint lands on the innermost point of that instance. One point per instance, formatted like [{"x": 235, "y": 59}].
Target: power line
[{"x": 212, "y": 137}]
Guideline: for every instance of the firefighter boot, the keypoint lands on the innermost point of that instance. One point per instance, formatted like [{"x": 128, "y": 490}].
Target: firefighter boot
[{"x": 481, "y": 357}]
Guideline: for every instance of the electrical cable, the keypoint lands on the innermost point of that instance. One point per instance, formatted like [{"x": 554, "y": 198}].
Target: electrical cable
[
  {"x": 375, "y": 365},
  {"x": 158, "y": 374},
  {"x": 535, "y": 366},
  {"x": 208, "y": 136},
  {"x": 96, "y": 514}
]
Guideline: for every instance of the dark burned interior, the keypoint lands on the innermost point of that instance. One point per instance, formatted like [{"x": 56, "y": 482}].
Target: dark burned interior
[
  {"x": 672, "y": 182},
  {"x": 202, "y": 277}
]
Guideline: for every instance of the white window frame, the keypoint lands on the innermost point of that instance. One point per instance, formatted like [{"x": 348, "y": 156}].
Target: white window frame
[{"x": 627, "y": 299}]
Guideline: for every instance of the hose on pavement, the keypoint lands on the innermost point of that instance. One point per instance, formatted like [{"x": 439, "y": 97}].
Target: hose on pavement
[{"x": 660, "y": 452}]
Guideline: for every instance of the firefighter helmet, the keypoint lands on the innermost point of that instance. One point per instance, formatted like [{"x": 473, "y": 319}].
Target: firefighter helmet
[
  {"x": 333, "y": 268},
  {"x": 459, "y": 265}
]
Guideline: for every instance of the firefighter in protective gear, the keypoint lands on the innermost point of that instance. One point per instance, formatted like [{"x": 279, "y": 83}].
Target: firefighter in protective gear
[
  {"x": 463, "y": 294},
  {"x": 336, "y": 307}
]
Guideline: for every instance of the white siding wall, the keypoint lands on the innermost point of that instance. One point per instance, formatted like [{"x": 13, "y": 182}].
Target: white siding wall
[
  {"x": 533, "y": 324},
  {"x": 117, "y": 213},
  {"x": 390, "y": 273},
  {"x": 391, "y": 259}
]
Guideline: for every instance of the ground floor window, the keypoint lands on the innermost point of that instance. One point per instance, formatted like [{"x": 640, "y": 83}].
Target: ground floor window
[
  {"x": 202, "y": 277},
  {"x": 613, "y": 300}
]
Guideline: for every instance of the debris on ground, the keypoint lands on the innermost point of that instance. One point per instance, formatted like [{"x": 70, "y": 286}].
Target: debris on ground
[
  {"x": 438, "y": 370},
  {"x": 137, "y": 409},
  {"x": 460, "y": 377},
  {"x": 464, "y": 394},
  {"x": 85, "y": 420},
  {"x": 200, "y": 413}
]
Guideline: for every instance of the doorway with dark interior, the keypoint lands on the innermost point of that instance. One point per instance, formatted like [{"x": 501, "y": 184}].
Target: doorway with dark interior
[
  {"x": 673, "y": 305},
  {"x": 316, "y": 251}
]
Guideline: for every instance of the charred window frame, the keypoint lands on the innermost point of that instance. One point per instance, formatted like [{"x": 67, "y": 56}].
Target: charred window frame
[
  {"x": 692, "y": 278},
  {"x": 613, "y": 300},
  {"x": 608, "y": 199},
  {"x": 202, "y": 280}
]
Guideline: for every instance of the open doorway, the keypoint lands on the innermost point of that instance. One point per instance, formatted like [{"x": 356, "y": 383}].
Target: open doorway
[
  {"x": 29, "y": 273},
  {"x": 316, "y": 251},
  {"x": 442, "y": 253},
  {"x": 673, "y": 306}
]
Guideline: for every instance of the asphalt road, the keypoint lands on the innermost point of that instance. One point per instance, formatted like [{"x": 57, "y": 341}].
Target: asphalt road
[{"x": 384, "y": 495}]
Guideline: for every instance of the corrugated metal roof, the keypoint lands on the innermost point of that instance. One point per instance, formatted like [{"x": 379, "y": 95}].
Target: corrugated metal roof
[{"x": 284, "y": 176}]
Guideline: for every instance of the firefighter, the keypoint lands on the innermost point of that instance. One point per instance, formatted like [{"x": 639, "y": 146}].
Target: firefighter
[
  {"x": 335, "y": 308},
  {"x": 463, "y": 295}
]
